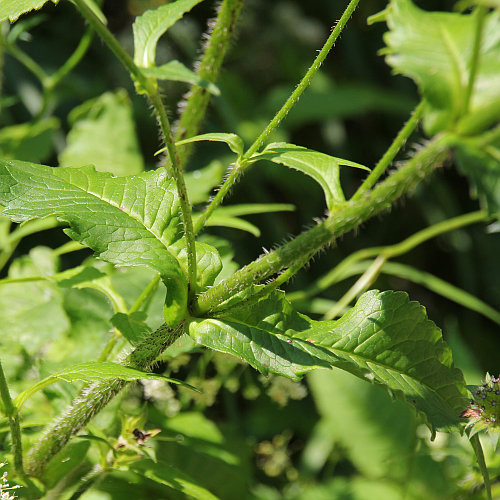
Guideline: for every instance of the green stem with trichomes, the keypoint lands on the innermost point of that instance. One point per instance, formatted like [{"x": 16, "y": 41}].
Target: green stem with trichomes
[
  {"x": 351, "y": 215},
  {"x": 246, "y": 160},
  {"x": 390, "y": 251},
  {"x": 194, "y": 107},
  {"x": 15, "y": 429},
  {"x": 391, "y": 153},
  {"x": 300, "y": 249},
  {"x": 151, "y": 89},
  {"x": 93, "y": 399}
]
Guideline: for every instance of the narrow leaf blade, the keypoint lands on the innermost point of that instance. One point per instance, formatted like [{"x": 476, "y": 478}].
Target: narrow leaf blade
[
  {"x": 234, "y": 141},
  {"x": 176, "y": 71},
  {"x": 93, "y": 372}
]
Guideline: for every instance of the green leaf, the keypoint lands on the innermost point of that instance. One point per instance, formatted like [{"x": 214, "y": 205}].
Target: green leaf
[
  {"x": 435, "y": 50},
  {"x": 92, "y": 371},
  {"x": 176, "y": 71},
  {"x": 32, "y": 313},
  {"x": 260, "y": 335},
  {"x": 219, "y": 220},
  {"x": 172, "y": 477},
  {"x": 12, "y": 9},
  {"x": 234, "y": 141},
  {"x": 384, "y": 338},
  {"x": 103, "y": 135},
  {"x": 387, "y": 339},
  {"x": 227, "y": 216},
  {"x": 254, "y": 208},
  {"x": 132, "y": 326},
  {"x": 65, "y": 461},
  {"x": 208, "y": 263},
  {"x": 350, "y": 407},
  {"x": 128, "y": 221},
  {"x": 149, "y": 27},
  {"x": 200, "y": 182},
  {"x": 482, "y": 167},
  {"x": 28, "y": 141},
  {"x": 324, "y": 169}
]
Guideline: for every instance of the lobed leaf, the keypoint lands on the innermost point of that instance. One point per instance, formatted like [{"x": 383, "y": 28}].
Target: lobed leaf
[
  {"x": 92, "y": 371},
  {"x": 149, "y": 27},
  {"x": 436, "y": 50}
]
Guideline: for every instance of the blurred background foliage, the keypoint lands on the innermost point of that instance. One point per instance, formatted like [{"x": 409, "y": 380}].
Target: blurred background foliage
[{"x": 245, "y": 436}]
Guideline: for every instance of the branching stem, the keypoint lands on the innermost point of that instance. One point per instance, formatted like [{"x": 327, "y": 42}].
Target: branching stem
[
  {"x": 351, "y": 215},
  {"x": 245, "y": 160}
]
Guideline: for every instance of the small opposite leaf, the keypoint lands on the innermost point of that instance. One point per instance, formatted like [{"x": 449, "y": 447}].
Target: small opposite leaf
[
  {"x": 92, "y": 372},
  {"x": 234, "y": 142},
  {"x": 128, "y": 221},
  {"x": 322, "y": 168},
  {"x": 176, "y": 71},
  {"x": 149, "y": 27}
]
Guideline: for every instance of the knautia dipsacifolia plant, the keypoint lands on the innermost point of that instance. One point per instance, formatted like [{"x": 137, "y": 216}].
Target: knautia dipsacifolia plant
[{"x": 163, "y": 297}]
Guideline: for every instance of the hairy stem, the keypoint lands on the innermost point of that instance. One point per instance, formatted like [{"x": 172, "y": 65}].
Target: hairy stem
[
  {"x": 15, "y": 429},
  {"x": 391, "y": 153},
  {"x": 195, "y": 104},
  {"x": 245, "y": 161},
  {"x": 93, "y": 399},
  {"x": 339, "y": 271},
  {"x": 150, "y": 87},
  {"x": 181, "y": 185},
  {"x": 351, "y": 215}
]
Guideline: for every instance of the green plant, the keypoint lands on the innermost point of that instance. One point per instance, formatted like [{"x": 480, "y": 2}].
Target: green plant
[{"x": 168, "y": 290}]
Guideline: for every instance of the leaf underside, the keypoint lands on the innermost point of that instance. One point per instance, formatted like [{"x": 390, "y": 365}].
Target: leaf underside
[{"x": 385, "y": 338}]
